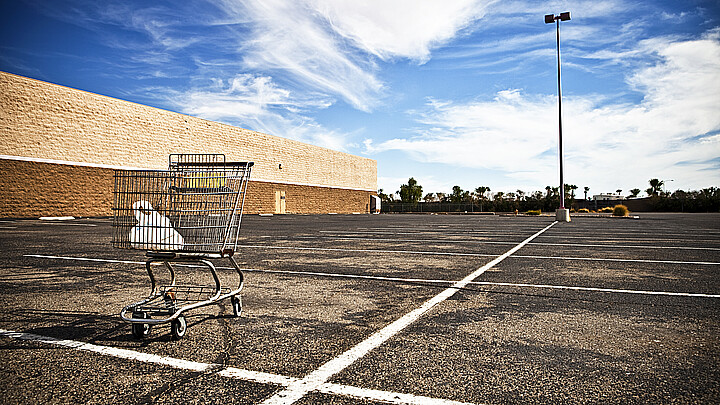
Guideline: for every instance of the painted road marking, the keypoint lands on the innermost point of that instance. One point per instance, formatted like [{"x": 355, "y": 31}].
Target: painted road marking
[
  {"x": 85, "y": 259},
  {"x": 407, "y": 280},
  {"x": 229, "y": 372},
  {"x": 111, "y": 351},
  {"x": 566, "y": 231},
  {"x": 420, "y": 252},
  {"x": 320, "y": 376},
  {"x": 691, "y": 237},
  {"x": 475, "y": 242},
  {"x": 488, "y": 283},
  {"x": 603, "y": 259},
  {"x": 607, "y": 290}
]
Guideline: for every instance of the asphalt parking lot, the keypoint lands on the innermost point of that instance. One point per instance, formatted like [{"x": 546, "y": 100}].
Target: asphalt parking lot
[{"x": 349, "y": 309}]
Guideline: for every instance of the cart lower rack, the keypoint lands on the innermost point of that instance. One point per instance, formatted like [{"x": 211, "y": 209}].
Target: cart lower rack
[{"x": 187, "y": 214}]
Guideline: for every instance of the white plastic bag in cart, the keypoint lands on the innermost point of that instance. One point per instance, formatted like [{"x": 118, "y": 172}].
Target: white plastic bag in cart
[{"x": 153, "y": 230}]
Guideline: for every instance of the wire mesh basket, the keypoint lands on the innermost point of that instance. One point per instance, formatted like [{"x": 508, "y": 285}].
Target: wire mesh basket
[{"x": 195, "y": 206}]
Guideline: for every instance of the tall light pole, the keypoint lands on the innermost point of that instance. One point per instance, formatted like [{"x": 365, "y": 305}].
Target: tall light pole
[{"x": 562, "y": 214}]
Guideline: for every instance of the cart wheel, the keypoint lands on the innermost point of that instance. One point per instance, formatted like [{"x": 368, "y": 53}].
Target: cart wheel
[
  {"x": 178, "y": 327},
  {"x": 236, "y": 304},
  {"x": 141, "y": 330}
]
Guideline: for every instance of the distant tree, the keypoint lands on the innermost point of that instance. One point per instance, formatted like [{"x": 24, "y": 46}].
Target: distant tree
[
  {"x": 655, "y": 187},
  {"x": 586, "y": 189},
  {"x": 384, "y": 197},
  {"x": 634, "y": 193},
  {"x": 429, "y": 197},
  {"x": 410, "y": 192},
  {"x": 441, "y": 197},
  {"x": 618, "y": 191},
  {"x": 572, "y": 189},
  {"x": 480, "y": 192},
  {"x": 459, "y": 195}
]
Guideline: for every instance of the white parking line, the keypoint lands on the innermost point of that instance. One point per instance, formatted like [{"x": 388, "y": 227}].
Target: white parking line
[
  {"x": 565, "y": 231},
  {"x": 112, "y": 351},
  {"x": 606, "y": 290},
  {"x": 229, "y": 372},
  {"x": 408, "y": 280},
  {"x": 420, "y": 252},
  {"x": 691, "y": 237},
  {"x": 609, "y": 259},
  {"x": 320, "y": 376},
  {"x": 489, "y": 283},
  {"x": 490, "y": 242},
  {"x": 85, "y": 259}
]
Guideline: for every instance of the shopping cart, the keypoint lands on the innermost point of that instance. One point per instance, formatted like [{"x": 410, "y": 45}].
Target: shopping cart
[{"x": 185, "y": 215}]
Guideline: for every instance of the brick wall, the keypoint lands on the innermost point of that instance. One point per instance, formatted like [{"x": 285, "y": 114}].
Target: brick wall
[
  {"x": 35, "y": 189},
  {"x": 29, "y": 189},
  {"x": 43, "y": 120},
  {"x": 39, "y": 120}
]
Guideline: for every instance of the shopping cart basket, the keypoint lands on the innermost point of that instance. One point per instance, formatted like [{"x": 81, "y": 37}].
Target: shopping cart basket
[{"x": 187, "y": 214}]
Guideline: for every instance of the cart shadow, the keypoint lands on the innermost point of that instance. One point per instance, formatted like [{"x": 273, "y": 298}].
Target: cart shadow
[
  {"x": 67, "y": 325},
  {"x": 96, "y": 328}
]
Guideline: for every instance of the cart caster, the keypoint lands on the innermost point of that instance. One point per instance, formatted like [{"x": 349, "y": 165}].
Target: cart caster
[
  {"x": 178, "y": 327},
  {"x": 141, "y": 330},
  {"x": 236, "y": 304}
]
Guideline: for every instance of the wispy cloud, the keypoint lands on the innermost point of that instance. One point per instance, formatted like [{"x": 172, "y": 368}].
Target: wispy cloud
[
  {"x": 256, "y": 102},
  {"x": 676, "y": 121},
  {"x": 292, "y": 39},
  {"x": 328, "y": 50},
  {"x": 403, "y": 28},
  {"x": 329, "y": 46}
]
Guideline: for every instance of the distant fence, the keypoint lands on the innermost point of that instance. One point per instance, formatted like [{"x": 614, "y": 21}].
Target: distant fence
[
  {"x": 640, "y": 204},
  {"x": 647, "y": 204}
]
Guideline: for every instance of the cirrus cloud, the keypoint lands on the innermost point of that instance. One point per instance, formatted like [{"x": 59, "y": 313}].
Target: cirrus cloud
[{"x": 672, "y": 132}]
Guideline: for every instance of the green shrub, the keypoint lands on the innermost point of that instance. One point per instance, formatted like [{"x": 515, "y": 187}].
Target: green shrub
[
  {"x": 534, "y": 212},
  {"x": 606, "y": 210},
  {"x": 621, "y": 211},
  {"x": 584, "y": 210}
]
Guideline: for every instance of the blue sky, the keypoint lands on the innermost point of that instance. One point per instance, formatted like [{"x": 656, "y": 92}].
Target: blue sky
[{"x": 449, "y": 92}]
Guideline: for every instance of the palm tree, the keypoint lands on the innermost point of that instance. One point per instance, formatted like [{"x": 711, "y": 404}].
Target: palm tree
[
  {"x": 480, "y": 191},
  {"x": 586, "y": 191},
  {"x": 410, "y": 192},
  {"x": 634, "y": 192},
  {"x": 618, "y": 191},
  {"x": 457, "y": 194},
  {"x": 655, "y": 187},
  {"x": 572, "y": 189}
]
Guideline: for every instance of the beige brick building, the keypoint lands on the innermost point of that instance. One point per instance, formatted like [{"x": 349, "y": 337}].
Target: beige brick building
[{"x": 59, "y": 147}]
